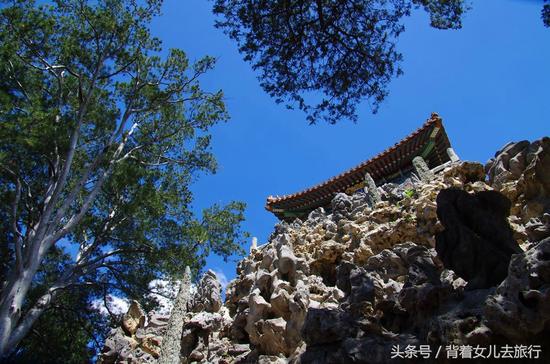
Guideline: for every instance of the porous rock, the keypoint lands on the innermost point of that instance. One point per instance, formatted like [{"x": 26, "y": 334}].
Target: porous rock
[
  {"x": 435, "y": 262},
  {"x": 477, "y": 242}
]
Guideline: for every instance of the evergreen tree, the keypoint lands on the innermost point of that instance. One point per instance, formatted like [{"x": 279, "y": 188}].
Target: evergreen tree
[
  {"x": 100, "y": 139},
  {"x": 326, "y": 56}
]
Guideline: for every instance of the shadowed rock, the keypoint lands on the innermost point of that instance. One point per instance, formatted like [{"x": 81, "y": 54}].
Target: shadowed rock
[
  {"x": 520, "y": 307},
  {"x": 208, "y": 296},
  {"x": 341, "y": 207},
  {"x": 477, "y": 242},
  {"x": 324, "y": 326},
  {"x": 351, "y": 284}
]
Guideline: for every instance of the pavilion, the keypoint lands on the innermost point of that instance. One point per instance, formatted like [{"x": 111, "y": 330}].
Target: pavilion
[{"x": 424, "y": 151}]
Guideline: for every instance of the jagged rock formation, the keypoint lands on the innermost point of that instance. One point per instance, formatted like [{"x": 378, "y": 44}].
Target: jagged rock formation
[
  {"x": 456, "y": 260},
  {"x": 137, "y": 341},
  {"x": 520, "y": 171},
  {"x": 477, "y": 242},
  {"x": 202, "y": 318}
]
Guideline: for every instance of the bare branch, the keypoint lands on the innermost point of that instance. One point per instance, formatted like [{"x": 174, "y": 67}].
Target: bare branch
[
  {"x": 16, "y": 233},
  {"x": 102, "y": 257},
  {"x": 34, "y": 313},
  {"x": 51, "y": 199},
  {"x": 75, "y": 219},
  {"x": 68, "y": 201},
  {"x": 113, "y": 317},
  {"x": 129, "y": 153},
  {"x": 118, "y": 71},
  {"x": 12, "y": 68},
  {"x": 86, "y": 250}
]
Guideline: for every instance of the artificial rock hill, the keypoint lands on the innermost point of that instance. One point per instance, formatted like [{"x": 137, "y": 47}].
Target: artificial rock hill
[{"x": 462, "y": 257}]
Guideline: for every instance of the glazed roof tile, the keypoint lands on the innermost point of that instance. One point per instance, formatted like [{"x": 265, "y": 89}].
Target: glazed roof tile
[{"x": 384, "y": 165}]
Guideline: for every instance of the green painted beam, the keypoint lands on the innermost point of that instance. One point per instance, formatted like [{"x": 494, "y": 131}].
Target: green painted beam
[{"x": 428, "y": 148}]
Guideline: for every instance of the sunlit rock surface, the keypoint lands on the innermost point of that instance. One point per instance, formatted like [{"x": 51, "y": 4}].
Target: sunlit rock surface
[{"x": 462, "y": 259}]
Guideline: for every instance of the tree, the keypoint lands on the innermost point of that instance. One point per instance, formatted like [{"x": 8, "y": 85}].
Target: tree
[
  {"x": 545, "y": 14},
  {"x": 69, "y": 331},
  {"x": 345, "y": 50},
  {"x": 100, "y": 138}
]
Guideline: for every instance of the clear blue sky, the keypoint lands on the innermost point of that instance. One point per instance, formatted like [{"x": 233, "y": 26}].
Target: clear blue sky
[{"x": 489, "y": 81}]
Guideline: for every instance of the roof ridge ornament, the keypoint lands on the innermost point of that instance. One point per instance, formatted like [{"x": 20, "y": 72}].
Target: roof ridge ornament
[{"x": 430, "y": 141}]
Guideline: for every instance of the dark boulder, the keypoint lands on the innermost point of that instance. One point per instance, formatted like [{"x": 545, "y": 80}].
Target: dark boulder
[
  {"x": 341, "y": 207},
  {"x": 477, "y": 242},
  {"x": 361, "y": 286},
  {"x": 323, "y": 326},
  {"x": 520, "y": 308}
]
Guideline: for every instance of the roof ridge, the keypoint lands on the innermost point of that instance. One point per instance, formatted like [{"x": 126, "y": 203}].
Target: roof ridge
[{"x": 434, "y": 119}]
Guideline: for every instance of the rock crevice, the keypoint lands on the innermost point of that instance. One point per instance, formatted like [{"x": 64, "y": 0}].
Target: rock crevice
[{"x": 454, "y": 259}]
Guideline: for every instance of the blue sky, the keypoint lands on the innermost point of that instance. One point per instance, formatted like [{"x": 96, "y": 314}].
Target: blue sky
[{"x": 489, "y": 81}]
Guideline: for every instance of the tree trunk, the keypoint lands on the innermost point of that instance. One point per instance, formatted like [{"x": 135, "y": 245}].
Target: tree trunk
[
  {"x": 11, "y": 301},
  {"x": 13, "y": 326},
  {"x": 171, "y": 342}
]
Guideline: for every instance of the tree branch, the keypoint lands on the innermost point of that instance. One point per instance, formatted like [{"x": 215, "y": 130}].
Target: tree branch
[
  {"x": 106, "y": 255},
  {"x": 51, "y": 199},
  {"x": 16, "y": 233},
  {"x": 75, "y": 219}
]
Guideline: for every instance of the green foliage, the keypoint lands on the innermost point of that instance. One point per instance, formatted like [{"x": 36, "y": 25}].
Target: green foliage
[
  {"x": 69, "y": 332},
  {"x": 344, "y": 49},
  {"x": 444, "y": 14},
  {"x": 409, "y": 193},
  {"x": 100, "y": 139},
  {"x": 545, "y": 14}
]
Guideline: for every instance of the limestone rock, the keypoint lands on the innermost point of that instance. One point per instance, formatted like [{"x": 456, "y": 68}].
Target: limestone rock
[
  {"x": 520, "y": 171},
  {"x": 538, "y": 228},
  {"x": 287, "y": 260},
  {"x": 477, "y": 242},
  {"x": 422, "y": 169},
  {"x": 388, "y": 264},
  {"x": 272, "y": 338},
  {"x": 498, "y": 168},
  {"x": 341, "y": 207},
  {"x": 114, "y": 346},
  {"x": 316, "y": 216},
  {"x": 259, "y": 309},
  {"x": 466, "y": 172},
  {"x": 133, "y": 319},
  {"x": 208, "y": 295},
  {"x": 520, "y": 308},
  {"x": 280, "y": 304},
  {"x": 435, "y": 262}
]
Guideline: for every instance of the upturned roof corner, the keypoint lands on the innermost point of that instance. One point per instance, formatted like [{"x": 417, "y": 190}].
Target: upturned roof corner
[{"x": 430, "y": 142}]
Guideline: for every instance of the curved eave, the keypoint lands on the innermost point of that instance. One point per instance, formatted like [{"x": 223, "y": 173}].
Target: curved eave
[{"x": 392, "y": 160}]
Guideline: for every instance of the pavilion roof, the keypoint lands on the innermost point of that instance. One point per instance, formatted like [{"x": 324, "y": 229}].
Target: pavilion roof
[{"x": 429, "y": 141}]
